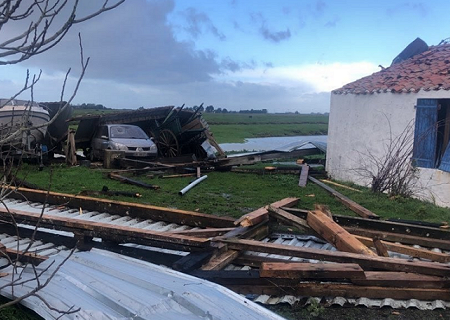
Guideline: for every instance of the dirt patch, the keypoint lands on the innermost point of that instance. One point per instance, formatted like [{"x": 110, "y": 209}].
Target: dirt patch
[{"x": 357, "y": 313}]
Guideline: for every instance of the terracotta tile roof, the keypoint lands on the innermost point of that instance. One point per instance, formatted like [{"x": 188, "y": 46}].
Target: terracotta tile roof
[{"x": 427, "y": 71}]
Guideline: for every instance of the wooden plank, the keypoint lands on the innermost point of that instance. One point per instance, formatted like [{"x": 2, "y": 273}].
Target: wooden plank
[
  {"x": 134, "y": 210},
  {"x": 252, "y": 218},
  {"x": 178, "y": 175},
  {"x": 340, "y": 185},
  {"x": 204, "y": 233},
  {"x": 380, "y": 247},
  {"x": 262, "y": 214},
  {"x": 404, "y": 239},
  {"x": 222, "y": 260},
  {"x": 335, "y": 234},
  {"x": 352, "y": 205},
  {"x": 382, "y": 225},
  {"x": 320, "y": 289},
  {"x": 365, "y": 261},
  {"x": 123, "y": 179},
  {"x": 401, "y": 280},
  {"x": 302, "y": 270},
  {"x": 286, "y": 202},
  {"x": 103, "y": 230},
  {"x": 373, "y": 279},
  {"x": 303, "y": 176},
  {"x": 411, "y": 251},
  {"x": 288, "y": 218},
  {"x": 22, "y": 256}
]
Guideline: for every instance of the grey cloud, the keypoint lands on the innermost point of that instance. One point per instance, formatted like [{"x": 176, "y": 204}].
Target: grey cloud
[
  {"x": 275, "y": 36},
  {"x": 133, "y": 44},
  {"x": 231, "y": 65},
  {"x": 197, "y": 21}
]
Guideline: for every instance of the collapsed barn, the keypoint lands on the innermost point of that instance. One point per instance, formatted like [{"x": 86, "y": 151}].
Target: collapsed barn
[
  {"x": 176, "y": 131},
  {"x": 279, "y": 252}
]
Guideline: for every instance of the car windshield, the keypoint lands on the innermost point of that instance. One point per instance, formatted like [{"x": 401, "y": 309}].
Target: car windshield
[{"x": 127, "y": 132}]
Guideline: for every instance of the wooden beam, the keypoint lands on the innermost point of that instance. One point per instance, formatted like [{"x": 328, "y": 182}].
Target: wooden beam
[
  {"x": 352, "y": 205},
  {"x": 365, "y": 261},
  {"x": 203, "y": 233},
  {"x": 401, "y": 280},
  {"x": 382, "y": 225},
  {"x": 340, "y": 185},
  {"x": 320, "y": 289},
  {"x": 222, "y": 260},
  {"x": 380, "y": 247},
  {"x": 22, "y": 256},
  {"x": 302, "y": 270},
  {"x": 178, "y": 175},
  {"x": 408, "y": 250},
  {"x": 123, "y": 179},
  {"x": 288, "y": 218},
  {"x": 105, "y": 231},
  {"x": 262, "y": 214},
  {"x": 374, "y": 279},
  {"x": 335, "y": 234},
  {"x": 134, "y": 210},
  {"x": 252, "y": 218},
  {"x": 303, "y": 179},
  {"x": 405, "y": 239}
]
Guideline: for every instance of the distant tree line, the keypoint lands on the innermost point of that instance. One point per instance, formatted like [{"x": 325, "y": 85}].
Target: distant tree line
[
  {"x": 90, "y": 106},
  {"x": 211, "y": 109},
  {"x": 253, "y": 111}
]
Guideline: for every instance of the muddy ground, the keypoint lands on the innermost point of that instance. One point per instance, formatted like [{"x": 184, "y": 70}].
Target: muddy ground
[{"x": 358, "y": 313}]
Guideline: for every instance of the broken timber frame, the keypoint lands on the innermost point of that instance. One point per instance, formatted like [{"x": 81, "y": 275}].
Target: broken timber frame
[
  {"x": 134, "y": 210},
  {"x": 383, "y": 263},
  {"x": 119, "y": 234}
]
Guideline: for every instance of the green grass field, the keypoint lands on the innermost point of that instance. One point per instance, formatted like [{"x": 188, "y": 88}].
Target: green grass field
[
  {"x": 229, "y": 193},
  {"x": 236, "y": 127}
]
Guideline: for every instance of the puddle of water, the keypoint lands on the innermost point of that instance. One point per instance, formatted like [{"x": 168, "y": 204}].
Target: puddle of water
[{"x": 269, "y": 143}]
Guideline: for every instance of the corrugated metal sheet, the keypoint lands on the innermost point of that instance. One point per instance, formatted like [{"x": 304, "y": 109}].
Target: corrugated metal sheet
[
  {"x": 105, "y": 285},
  {"x": 95, "y": 216}
]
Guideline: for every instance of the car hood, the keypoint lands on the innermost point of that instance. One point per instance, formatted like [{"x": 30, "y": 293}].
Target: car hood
[{"x": 143, "y": 143}]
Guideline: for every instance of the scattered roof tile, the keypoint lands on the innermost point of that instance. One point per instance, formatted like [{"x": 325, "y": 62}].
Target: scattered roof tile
[{"x": 427, "y": 71}]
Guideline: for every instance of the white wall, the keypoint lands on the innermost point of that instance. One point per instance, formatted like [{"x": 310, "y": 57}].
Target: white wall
[{"x": 360, "y": 126}]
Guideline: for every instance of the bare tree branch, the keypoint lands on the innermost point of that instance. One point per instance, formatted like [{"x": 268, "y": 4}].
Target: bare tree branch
[{"x": 43, "y": 32}]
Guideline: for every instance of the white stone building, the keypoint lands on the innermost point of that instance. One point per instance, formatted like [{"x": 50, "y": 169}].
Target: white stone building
[{"x": 368, "y": 114}]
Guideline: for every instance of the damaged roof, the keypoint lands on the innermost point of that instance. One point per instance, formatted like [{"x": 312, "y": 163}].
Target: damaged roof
[
  {"x": 429, "y": 70},
  {"x": 105, "y": 285}
]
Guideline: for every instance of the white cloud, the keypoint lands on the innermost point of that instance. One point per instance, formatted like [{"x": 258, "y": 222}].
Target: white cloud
[{"x": 313, "y": 77}]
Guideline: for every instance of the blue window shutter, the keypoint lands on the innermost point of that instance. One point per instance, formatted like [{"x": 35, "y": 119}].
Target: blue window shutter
[
  {"x": 425, "y": 133},
  {"x": 445, "y": 162}
]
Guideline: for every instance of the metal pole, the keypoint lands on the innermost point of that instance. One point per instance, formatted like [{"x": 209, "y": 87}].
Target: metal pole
[{"x": 191, "y": 185}]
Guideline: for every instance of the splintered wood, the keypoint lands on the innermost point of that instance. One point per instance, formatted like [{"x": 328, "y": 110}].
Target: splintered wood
[{"x": 362, "y": 265}]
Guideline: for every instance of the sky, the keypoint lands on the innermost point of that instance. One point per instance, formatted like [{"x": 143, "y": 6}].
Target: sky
[{"x": 279, "y": 55}]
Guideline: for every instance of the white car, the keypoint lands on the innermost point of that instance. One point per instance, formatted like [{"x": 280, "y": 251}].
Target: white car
[{"x": 124, "y": 137}]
